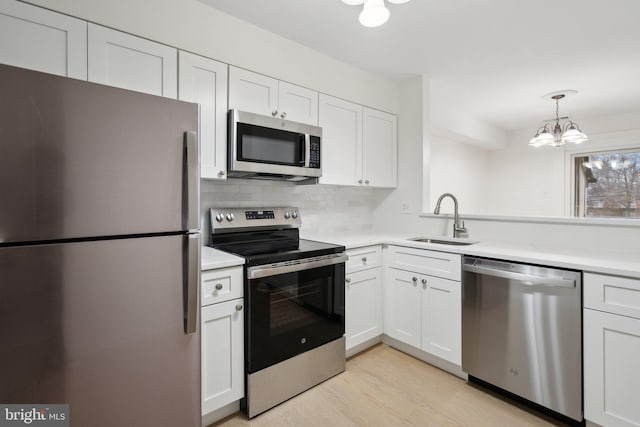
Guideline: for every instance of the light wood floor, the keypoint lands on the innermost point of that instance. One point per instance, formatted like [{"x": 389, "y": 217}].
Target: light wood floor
[{"x": 384, "y": 387}]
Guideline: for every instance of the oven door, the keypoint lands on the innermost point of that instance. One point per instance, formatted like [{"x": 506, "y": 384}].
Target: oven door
[{"x": 293, "y": 307}]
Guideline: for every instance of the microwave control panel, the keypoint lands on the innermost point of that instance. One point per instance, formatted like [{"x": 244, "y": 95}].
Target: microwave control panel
[{"x": 314, "y": 152}]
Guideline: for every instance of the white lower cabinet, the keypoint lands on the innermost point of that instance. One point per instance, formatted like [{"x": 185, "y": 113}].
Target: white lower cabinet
[
  {"x": 363, "y": 290},
  {"x": 222, "y": 351},
  {"x": 611, "y": 350},
  {"x": 424, "y": 311}
]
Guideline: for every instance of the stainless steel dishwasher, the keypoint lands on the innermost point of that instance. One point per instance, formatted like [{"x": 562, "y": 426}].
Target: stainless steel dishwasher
[{"x": 522, "y": 331}]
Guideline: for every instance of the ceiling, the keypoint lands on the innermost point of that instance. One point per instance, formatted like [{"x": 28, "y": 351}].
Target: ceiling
[{"x": 492, "y": 58}]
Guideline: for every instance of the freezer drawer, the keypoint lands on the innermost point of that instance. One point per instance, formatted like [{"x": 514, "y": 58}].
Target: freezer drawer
[{"x": 100, "y": 325}]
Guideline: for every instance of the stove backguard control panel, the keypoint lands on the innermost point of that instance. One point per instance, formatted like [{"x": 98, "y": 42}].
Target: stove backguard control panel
[{"x": 223, "y": 219}]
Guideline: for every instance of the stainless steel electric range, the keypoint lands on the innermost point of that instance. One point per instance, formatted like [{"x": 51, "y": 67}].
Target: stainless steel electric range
[{"x": 294, "y": 299}]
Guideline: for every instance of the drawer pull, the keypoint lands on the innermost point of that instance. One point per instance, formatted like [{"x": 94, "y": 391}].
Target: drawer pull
[
  {"x": 218, "y": 286},
  {"x": 424, "y": 281},
  {"x": 348, "y": 280},
  {"x": 364, "y": 259},
  {"x": 415, "y": 279},
  {"x": 238, "y": 307}
]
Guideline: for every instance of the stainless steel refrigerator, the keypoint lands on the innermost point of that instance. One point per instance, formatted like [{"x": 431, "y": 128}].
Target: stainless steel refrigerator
[{"x": 99, "y": 251}]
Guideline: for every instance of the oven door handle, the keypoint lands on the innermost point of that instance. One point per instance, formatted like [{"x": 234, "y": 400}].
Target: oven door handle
[{"x": 267, "y": 270}]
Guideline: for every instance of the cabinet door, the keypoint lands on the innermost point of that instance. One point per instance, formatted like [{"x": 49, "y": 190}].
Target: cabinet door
[
  {"x": 611, "y": 374},
  {"x": 130, "y": 62},
  {"x": 41, "y": 40},
  {"x": 380, "y": 148},
  {"x": 441, "y": 318},
  {"x": 341, "y": 149},
  {"x": 402, "y": 306},
  {"x": 222, "y": 354},
  {"x": 204, "y": 81},
  {"x": 363, "y": 306},
  {"x": 297, "y": 103},
  {"x": 252, "y": 92}
]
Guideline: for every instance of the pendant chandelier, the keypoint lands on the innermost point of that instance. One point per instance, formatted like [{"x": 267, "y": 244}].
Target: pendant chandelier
[
  {"x": 374, "y": 13},
  {"x": 555, "y": 134}
]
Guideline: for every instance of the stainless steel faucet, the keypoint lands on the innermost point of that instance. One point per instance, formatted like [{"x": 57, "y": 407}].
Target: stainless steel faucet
[{"x": 458, "y": 226}]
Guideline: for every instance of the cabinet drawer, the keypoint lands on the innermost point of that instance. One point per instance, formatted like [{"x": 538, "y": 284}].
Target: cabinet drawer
[
  {"x": 364, "y": 258},
  {"x": 221, "y": 285},
  {"x": 618, "y": 295},
  {"x": 433, "y": 263}
]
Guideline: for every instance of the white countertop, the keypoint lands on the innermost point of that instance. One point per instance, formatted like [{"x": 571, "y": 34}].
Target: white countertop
[
  {"x": 213, "y": 258},
  {"x": 586, "y": 259}
]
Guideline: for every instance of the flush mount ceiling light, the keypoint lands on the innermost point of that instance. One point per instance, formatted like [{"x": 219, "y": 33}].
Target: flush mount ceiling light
[
  {"x": 553, "y": 133},
  {"x": 374, "y": 13}
]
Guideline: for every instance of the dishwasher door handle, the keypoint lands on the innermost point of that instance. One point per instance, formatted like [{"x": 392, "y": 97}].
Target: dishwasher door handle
[{"x": 525, "y": 279}]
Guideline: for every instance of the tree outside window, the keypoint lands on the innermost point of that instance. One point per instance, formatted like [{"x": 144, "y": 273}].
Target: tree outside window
[{"x": 608, "y": 184}]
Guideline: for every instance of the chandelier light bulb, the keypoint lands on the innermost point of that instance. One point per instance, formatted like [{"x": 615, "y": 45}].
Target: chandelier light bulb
[
  {"x": 374, "y": 13},
  {"x": 569, "y": 132}
]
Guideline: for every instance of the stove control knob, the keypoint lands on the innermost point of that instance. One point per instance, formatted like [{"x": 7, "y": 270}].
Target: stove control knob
[
  {"x": 294, "y": 214},
  {"x": 220, "y": 217},
  {"x": 287, "y": 215},
  {"x": 230, "y": 217}
]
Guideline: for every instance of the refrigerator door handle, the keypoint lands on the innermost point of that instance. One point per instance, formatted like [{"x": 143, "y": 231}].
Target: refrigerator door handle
[
  {"x": 192, "y": 181},
  {"x": 192, "y": 282}
]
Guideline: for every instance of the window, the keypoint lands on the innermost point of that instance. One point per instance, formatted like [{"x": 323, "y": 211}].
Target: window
[{"x": 607, "y": 184}]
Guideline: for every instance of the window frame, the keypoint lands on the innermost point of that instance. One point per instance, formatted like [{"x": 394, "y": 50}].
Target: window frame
[{"x": 574, "y": 207}]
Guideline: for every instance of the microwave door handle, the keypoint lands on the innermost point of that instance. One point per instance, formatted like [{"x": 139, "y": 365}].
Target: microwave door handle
[{"x": 306, "y": 139}]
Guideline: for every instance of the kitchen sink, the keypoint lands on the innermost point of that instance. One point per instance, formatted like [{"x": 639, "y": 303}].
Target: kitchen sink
[{"x": 441, "y": 241}]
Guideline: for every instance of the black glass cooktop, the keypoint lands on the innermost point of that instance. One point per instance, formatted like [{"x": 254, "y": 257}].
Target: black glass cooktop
[{"x": 270, "y": 246}]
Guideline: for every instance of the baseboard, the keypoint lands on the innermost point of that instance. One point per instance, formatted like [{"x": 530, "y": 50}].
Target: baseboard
[
  {"x": 363, "y": 346},
  {"x": 425, "y": 357},
  {"x": 220, "y": 413}
]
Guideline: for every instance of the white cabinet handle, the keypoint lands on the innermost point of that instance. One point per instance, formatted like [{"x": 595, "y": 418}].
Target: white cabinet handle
[
  {"x": 274, "y": 113},
  {"x": 218, "y": 286},
  {"x": 283, "y": 115},
  {"x": 364, "y": 259},
  {"x": 238, "y": 307},
  {"x": 415, "y": 279},
  {"x": 367, "y": 182},
  {"x": 220, "y": 173},
  {"x": 348, "y": 280},
  {"x": 359, "y": 181},
  {"x": 424, "y": 281}
]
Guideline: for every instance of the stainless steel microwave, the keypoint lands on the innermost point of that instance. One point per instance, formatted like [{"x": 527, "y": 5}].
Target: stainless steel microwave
[{"x": 271, "y": 148}]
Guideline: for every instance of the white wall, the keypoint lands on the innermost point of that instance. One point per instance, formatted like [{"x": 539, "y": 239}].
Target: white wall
[
  {"x": 458, "y": 168},
  {"x": 196, "y": 27},
  {"x": 413, "y": 155}
]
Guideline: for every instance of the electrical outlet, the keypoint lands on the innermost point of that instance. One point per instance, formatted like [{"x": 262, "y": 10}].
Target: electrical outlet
[{"x": 404, "y": 208}]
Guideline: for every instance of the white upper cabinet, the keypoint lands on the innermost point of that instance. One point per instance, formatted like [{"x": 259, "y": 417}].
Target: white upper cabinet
[
  {"x": 359, "y": 144},
  {"x": 204, "y": 81},
  {"x": 341, "y": 146},
  {"x": 41, "y": 40},
  {"x": 252, "y": 92},
  {"x": 380, "y": 148},
  {"x": 260, "y": 94},
  {"x": 129, "y": 62},
  {"x": 297, "y": 104}
]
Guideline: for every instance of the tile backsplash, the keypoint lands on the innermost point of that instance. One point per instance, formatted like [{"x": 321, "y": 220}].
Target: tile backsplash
[{"x": 323, "y": 209}]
